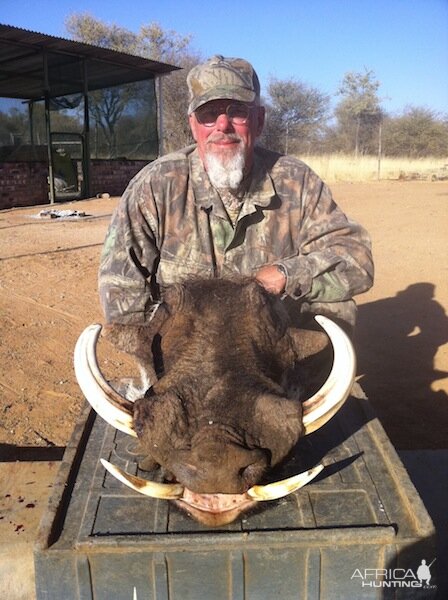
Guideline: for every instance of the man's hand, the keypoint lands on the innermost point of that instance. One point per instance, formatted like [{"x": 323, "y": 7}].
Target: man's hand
[{"x": 272, "y": 279}]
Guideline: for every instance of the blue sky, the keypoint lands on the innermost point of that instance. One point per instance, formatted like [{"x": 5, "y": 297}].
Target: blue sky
[{"x": 405, "y": 42}]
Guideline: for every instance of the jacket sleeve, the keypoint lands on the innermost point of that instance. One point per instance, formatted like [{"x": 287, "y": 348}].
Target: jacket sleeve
[
  {"x": 334, "y": 261},
  {"x": 129, "y": 257}
]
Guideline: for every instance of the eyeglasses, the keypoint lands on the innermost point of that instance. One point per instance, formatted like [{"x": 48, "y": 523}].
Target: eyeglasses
[{"x": 238, "y": 114}]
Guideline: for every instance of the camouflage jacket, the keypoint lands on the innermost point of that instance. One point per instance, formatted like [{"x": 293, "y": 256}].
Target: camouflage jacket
[{"x": 171, "y": 225}]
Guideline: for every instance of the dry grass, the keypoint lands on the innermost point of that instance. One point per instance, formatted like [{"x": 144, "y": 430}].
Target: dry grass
[{"x": 339, "y": 167}]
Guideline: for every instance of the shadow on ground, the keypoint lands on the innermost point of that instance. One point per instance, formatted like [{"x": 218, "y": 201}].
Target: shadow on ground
[
  {"x": 397, "y": 339},
  {"x": 12, "y": 453}
]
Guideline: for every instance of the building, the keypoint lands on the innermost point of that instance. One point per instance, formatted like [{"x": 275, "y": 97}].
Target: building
[{"x": 76, "y": 120}]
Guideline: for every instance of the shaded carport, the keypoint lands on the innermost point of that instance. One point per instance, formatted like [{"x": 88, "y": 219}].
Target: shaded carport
[{"x": 35, "y": 67}]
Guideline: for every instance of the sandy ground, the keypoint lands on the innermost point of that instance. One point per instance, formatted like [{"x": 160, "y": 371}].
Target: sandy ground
[{"x": 48, "y": 294}]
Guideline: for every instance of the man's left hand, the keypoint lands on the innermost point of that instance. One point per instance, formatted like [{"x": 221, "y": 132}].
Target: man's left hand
[{"x": 272, "y": 279}]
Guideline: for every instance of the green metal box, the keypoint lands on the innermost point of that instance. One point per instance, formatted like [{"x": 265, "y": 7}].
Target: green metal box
[{"x": 358, "y": 531}]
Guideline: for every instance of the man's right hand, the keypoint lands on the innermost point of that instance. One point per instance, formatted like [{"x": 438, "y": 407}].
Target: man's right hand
[{"x": 272, "y": 279}]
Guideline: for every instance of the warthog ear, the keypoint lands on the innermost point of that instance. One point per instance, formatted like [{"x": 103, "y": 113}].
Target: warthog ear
[
  {"x": 306, "y": 342},
  {"x": 161, "y": 424},
  {"x": 137, "y": 339},
  {"x": 276, "y": 424},
  {"x": 173, "y": 297},
  {"x": 258, "y": 295}
]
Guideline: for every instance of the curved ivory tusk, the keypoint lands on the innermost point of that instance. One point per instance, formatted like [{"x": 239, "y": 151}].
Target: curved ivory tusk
[
  {"x": 164, "y": 491},
  {"x": 174, "y": 491},
  {"x": 278, "y": 489},
  {"x": 325, "y": 403},
  {"x": 112, "y": 407}
]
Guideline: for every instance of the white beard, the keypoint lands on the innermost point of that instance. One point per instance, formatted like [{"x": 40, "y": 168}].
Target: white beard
[{"x": 226, "y": 173}]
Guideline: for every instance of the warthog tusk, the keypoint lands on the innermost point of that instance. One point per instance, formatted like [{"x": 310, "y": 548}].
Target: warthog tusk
[
  {"x": 112, "y": 407},
  {"x": 317, "y": 410},
  {"x": 278, "y": 489},
  {"x": 164, "y": 491},
  {"x": 325, "y": 403},
  {"x": 175, "y": 491}
]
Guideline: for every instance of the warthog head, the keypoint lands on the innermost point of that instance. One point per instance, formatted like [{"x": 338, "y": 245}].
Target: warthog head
[{"x": 223, "y": 412}]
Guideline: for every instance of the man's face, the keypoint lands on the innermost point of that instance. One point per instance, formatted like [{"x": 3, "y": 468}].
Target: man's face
[{"x": 229, "y": 134}]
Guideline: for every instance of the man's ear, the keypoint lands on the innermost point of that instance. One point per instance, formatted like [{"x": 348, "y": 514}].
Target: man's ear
[
  {"x": 260, "y": 119},
  {"x": 193, "y": 125}
]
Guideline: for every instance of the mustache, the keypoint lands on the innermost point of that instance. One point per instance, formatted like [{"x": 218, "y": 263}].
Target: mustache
[{"x": 222, "y": 137}]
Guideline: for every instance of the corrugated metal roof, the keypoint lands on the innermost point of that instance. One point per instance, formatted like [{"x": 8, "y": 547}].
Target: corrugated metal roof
[{"x": 22, "y": 71}]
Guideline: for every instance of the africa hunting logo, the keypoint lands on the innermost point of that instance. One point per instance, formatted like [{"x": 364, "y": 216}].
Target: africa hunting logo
[{"x": 395, "y": 578}]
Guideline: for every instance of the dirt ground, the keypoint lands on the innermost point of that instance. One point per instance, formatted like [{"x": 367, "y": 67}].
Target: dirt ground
[{"x": 48, "y": 294}]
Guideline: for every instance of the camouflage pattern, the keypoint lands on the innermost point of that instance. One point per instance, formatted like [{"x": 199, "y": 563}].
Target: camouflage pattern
[
  {"x": 171, "y": 225},
  {"x": 219, "y": 77}
]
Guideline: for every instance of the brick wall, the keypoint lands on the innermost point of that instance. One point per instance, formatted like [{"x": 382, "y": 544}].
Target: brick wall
[
  {"x": 25, "y": 183},
  {"x": 112, "y": 176}
]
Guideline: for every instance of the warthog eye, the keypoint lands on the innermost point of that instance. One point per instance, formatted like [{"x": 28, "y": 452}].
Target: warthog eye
[
  {"x": 185, "y": 471},
  {"x": 252, "y": 474}
]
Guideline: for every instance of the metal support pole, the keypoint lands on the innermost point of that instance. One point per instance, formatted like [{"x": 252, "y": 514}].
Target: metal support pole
[
  {"x": 48, "y": 130},
  {"x": 31, "y": 123},
  {"x": 86, "y": 136},
  {"x": 159, "y": 96},
  {"x": 49, "y": 149}
]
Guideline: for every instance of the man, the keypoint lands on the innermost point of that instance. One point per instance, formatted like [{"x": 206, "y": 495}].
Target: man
[{"x": 224, "y": 207}]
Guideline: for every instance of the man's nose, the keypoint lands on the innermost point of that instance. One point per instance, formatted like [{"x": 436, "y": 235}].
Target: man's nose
[{"x": 223, "y": 123}]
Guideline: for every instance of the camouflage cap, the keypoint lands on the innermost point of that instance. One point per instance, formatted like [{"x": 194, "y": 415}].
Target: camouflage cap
[{"x": 220, "y": 77}]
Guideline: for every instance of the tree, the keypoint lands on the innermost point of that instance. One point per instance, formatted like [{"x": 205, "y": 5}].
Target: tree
[
  {"x": 151, "y": 42},
  {"x": 108, "y": 108},
  {"x": 296, "y": 115},
  {"x": 13, "y": 126},
  {"x": 358, "y": 114},
  {"x": 416, "y": 133}
]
